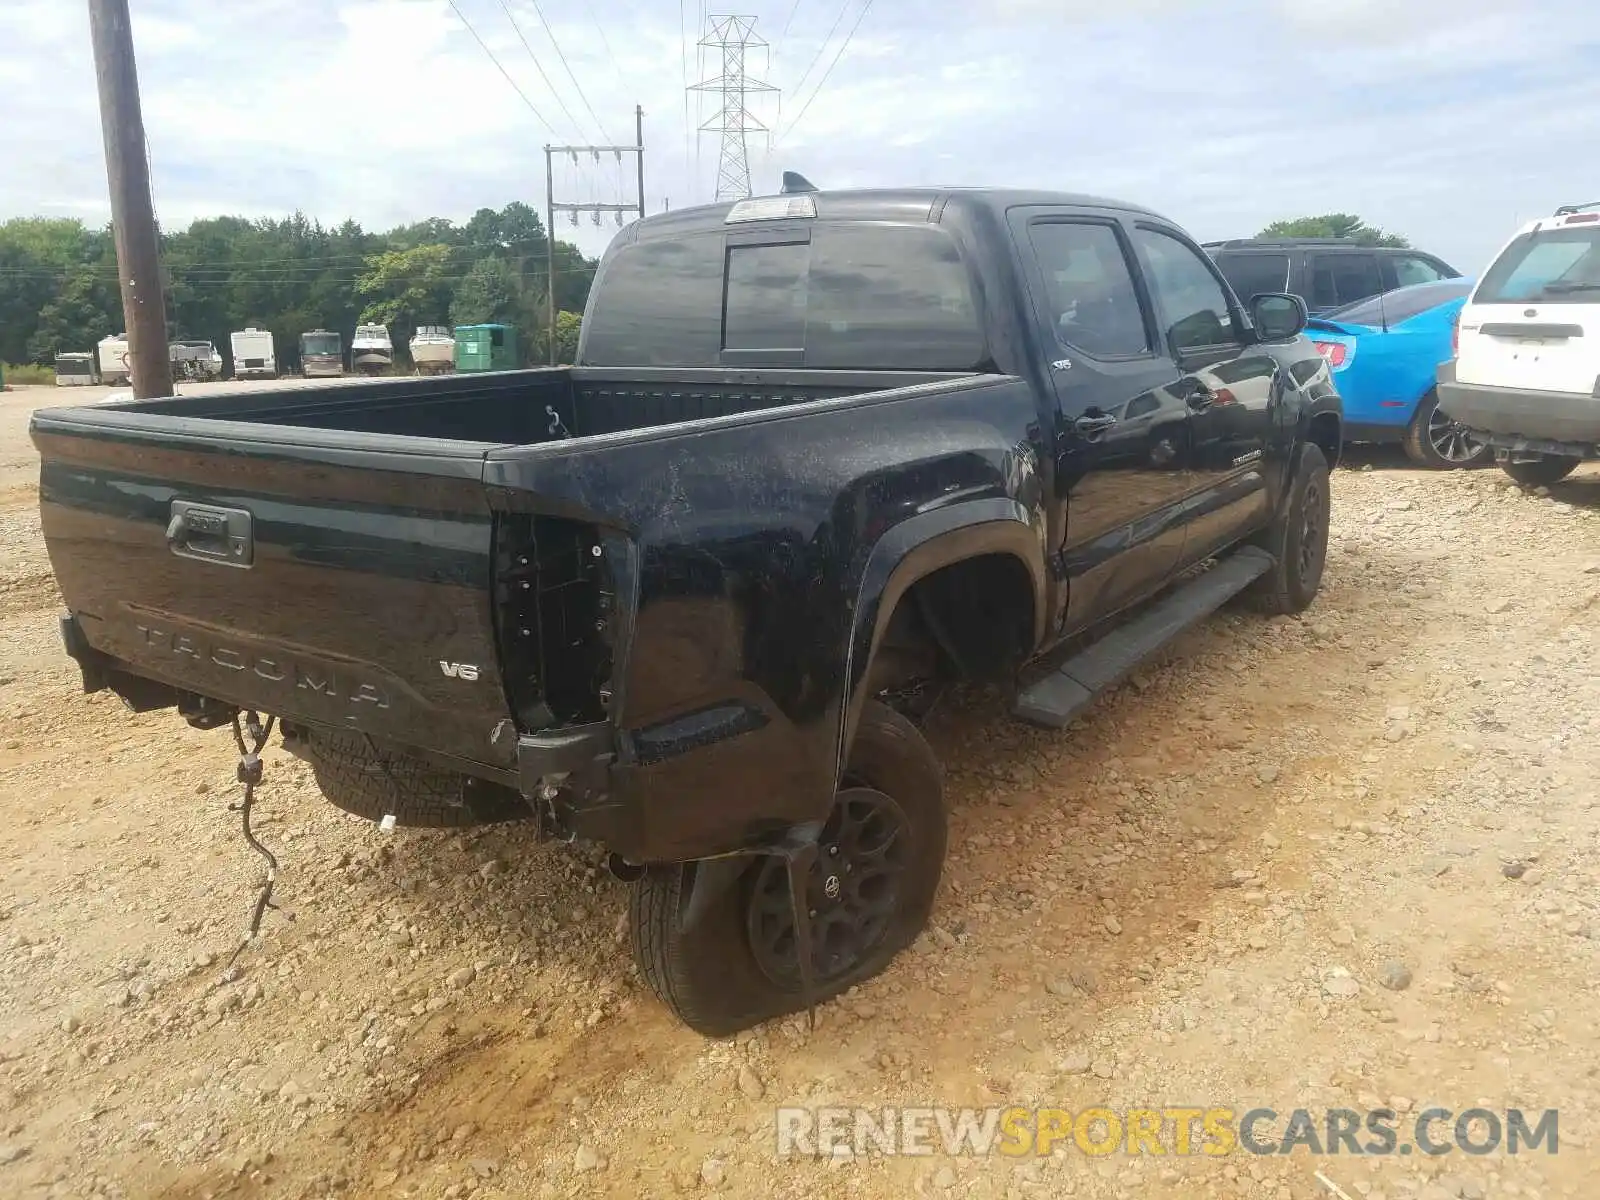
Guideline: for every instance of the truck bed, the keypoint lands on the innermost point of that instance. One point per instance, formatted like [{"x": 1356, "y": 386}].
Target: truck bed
[
  {"x": 352, "y": 555},
  {"x": 522, "y": 407}
]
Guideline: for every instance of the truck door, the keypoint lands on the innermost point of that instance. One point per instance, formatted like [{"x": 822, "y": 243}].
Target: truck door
[
  {"x": 1229, "y": 384},
  {"x": 1121, "y": 438}
]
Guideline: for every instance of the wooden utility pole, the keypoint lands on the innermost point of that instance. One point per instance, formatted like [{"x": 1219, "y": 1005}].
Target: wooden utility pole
[
  {"x": 550, "y": 250},
  {"x": 133, "y": 219},
  {"x": 552, "y": 206},
  {"x": 638, "y": 138}
]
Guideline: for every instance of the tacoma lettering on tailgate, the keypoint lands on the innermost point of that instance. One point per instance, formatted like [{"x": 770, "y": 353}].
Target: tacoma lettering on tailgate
[{"x": 321, "y": 679}]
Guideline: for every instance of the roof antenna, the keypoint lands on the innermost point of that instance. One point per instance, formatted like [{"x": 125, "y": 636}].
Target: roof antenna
[{"x": 794, "y": 182}]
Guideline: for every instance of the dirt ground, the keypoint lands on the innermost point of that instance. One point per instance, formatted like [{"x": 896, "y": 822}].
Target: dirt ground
[{"x": 1347, "y": 860}]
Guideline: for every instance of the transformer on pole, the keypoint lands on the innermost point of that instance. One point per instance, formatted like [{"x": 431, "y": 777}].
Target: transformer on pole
[
  {"x": 552, "y": 206},
  {"x": 733, "y": 36}
]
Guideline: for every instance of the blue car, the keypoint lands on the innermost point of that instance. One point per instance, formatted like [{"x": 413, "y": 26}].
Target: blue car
[{"x": 1383, "y": 353}]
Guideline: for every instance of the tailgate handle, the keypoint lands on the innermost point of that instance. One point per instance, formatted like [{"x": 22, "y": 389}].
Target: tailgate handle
[{"x": 211, "y": 534}]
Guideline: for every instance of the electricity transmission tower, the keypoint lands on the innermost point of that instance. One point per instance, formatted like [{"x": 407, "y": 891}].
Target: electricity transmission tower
[{"x": 733, "y": 36}]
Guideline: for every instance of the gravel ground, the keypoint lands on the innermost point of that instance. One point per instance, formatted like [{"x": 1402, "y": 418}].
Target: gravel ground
[{"x": 1340, "y": 861}]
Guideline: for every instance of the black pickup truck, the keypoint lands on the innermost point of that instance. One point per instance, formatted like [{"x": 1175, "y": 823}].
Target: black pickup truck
[{"x": 821, "y": 450}]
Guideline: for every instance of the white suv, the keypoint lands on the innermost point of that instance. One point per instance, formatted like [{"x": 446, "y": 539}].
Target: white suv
[{"x": 1526, "y": 373}]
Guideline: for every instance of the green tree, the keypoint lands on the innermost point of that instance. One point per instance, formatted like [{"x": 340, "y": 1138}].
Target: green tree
[
  {"x": 491, "y": 293},
  {"x": 58, "y": 278},
  {"x": 407, "y": 287},
  {"x": 1334, "y": 225},
  {"x": 568, "y": 326},
  {"x": 83, "y": 311},
  {"x": 39, "y": 256}
]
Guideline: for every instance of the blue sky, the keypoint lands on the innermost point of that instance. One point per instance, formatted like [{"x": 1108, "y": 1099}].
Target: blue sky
[{"x": 1447, "y": 120}]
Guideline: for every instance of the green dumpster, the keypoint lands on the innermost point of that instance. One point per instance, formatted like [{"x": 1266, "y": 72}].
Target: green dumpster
[{"x": 486, "y": 348}]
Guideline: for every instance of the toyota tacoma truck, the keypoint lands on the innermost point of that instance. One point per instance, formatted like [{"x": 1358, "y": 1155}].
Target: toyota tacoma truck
[{"x": 819, "y": 450}]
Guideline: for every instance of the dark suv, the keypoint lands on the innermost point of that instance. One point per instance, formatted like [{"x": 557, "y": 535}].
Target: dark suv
[{"x": 1325, "y": 272}]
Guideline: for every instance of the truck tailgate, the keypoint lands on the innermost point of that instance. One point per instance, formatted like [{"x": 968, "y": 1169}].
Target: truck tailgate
[{"x": 325, "y": 576}]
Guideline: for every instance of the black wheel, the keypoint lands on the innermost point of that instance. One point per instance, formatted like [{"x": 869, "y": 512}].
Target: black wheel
[
  {"x": 880, "y": 857},
  {"x": 1542, "y": 471},
  {"x": 1433, "y": 439},
  {"x": 375, "y": 783},
  {"x": 1297, "y": 539}
]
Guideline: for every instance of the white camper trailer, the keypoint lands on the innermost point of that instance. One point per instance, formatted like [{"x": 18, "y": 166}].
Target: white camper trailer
[
  {"x": 112, "y": 353},
  {"x": 253, "y": 354},
  {"x": 75, "y": 368}
]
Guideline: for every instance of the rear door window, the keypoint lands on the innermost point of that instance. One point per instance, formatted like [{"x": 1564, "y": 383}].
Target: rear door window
[
  {"x": 890, "y": 298},
  {"x": 1252, "y": 274},
  {"x": 1409, "y": 269},
  {"x": 1089, "y": 291},
  {"x": 1552, "y": 266},
  {"x": 1187, "y": 292},
  {"x": 1343, "y": 279}
]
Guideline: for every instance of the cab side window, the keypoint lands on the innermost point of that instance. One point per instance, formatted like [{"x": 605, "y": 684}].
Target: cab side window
[
  {"x": 1343, "y": 279},
  {"x": 1409, "y": 269},
  {"x": 1089, "y": 292},
  {"x": 1187, "y": 293}
]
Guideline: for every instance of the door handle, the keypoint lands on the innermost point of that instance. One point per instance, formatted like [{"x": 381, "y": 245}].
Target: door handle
[{"x": 1092, "y": 424}]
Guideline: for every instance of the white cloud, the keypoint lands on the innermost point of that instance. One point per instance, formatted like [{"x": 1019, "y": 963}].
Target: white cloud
[{"x": 1447, "y": 120}]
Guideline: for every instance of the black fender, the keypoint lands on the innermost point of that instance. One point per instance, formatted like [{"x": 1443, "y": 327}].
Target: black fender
[
  {"x": 917, "y": 547},
  {"x": 908, "y": 551}
]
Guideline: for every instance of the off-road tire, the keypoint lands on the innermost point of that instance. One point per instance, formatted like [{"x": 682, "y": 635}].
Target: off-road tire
[
  {"x": 1417, "y": 441},
  {"x": 1542, "y": 472},
  {"x": 708, "y": 976},
  {"x": 373, "y": 783},
  {"x": 1297, "y": 539}
]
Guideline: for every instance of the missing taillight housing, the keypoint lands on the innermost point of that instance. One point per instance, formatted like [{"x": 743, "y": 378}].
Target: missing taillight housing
[
  {"x": 553, "y": 606},
  {"x": 1337, "y": 353},
  {"x": 1455, "y": 336}
]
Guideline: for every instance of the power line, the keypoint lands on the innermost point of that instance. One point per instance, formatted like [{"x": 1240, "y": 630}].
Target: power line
[
  {"x": 296, "y": 270},
  {"x": 503, "y": 71},
  {"x": 538, "y": 66},
  {"x": 586, "y": 269},
  {"x": 297, "y": 259},
  {"x": 451, "y": 277},
  {"x": 683, "y": 59},
  {"x": 818, "y": 89},
  {"x": 821, "y": 49},
  {"x": 699, "y": 73},
  {"x": 568, "y": 68},
  {"x": 600, "y": 28},
  {"x": 788, "y": 21}
]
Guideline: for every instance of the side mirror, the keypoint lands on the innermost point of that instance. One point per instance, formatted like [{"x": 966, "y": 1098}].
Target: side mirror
[{"x": 1277, "y": 316}]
